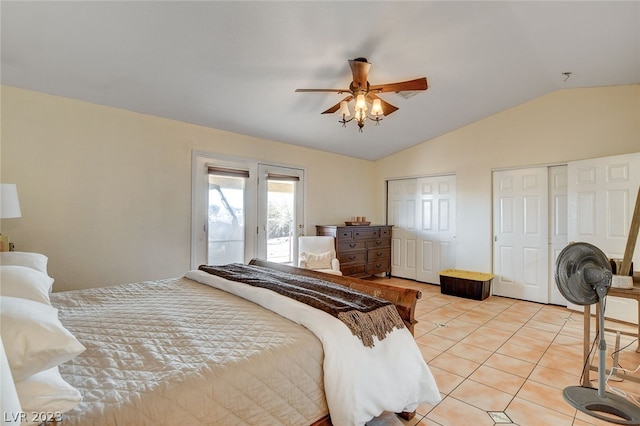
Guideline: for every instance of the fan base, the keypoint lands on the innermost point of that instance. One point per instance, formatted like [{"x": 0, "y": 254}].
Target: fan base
[{"x": 585, "y": 399}]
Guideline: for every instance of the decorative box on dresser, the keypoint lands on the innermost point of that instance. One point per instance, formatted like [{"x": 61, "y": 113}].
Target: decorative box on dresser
[{"x": 361, "y": 250}]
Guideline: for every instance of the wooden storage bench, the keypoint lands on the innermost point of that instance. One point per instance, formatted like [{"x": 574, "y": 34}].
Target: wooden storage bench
[{"x": 468, "y": 284}]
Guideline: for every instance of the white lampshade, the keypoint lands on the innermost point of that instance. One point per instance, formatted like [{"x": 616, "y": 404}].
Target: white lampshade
[
  {"x": 361, "y": 104},
  {"x": 344, "y": 109},
  {"x": 9, "y": 203},
  {"x": 376, "y": 109}
]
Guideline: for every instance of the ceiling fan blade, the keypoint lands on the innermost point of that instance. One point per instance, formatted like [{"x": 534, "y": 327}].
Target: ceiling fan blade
[
  {"x": 360, "y": 70},
  {"x": 338, "y": 91},
  {"x": 337, "y": 106},
  {"x": 411, "y": 85},
  {"x": 387, "y": 108}
]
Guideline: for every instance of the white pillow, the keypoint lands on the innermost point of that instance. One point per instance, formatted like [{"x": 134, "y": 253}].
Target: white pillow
[
  {"x": 25, "y": 283},
  {"x": 47, "y": 392},
  {"x": 9, "y": 403},
  {"x": 35, "y": 261},
  {"x": 33, "y": 336},
  {"x": 318, "y": 261}
]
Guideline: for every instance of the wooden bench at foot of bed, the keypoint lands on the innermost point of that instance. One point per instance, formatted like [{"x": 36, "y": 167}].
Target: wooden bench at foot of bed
[{"x": 403, "y": 298}]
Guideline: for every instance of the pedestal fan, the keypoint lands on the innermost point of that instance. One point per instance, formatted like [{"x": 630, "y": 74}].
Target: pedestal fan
[{"x": 583, "y": 276}]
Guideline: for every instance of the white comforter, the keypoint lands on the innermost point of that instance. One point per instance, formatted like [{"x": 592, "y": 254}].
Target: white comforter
[
  {"x": 176, "y": 352},
  {"x": 360, "y": 383}
]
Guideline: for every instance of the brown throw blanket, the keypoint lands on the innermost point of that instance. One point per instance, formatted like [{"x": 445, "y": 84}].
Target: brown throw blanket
[{"x": 366, "y": 316}]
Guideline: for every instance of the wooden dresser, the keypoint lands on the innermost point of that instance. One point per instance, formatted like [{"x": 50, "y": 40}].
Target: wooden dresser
[{"x": 361, "y": 250}]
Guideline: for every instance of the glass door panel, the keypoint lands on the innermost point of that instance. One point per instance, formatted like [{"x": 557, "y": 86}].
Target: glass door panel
[
  {"x": 280, "y": 213},
  {"x": 281, "y": 223},
  {"x": 226, "y": 220}
]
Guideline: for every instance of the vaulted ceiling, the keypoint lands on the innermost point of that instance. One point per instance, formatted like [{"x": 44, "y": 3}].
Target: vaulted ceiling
[{"x": 235, "y": 65}]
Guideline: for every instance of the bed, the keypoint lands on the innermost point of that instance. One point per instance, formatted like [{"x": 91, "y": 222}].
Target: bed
[{"x": 202, "y": 349}]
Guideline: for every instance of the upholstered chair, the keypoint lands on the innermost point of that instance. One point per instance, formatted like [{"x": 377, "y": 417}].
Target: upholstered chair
[{"x": 319, "y": 254}]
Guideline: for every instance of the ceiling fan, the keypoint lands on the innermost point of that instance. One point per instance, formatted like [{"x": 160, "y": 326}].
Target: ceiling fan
[{"x": 364, "y": 94}]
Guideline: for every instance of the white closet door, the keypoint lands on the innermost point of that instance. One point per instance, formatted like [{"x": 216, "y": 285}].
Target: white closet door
[
  {"x": 558, "y": 204},
  {"x": 436, "y": 233},
  {"x": 402, "y": 215},
  {"x": 520, "y": 211},
  {"x": 422, "y": 212},
  {"x": 602, "y": 196}
]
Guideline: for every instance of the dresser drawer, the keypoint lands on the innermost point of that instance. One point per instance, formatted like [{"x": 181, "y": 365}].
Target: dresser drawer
[
  {"x": 353, "y": 257},
  {"x": 344, "y": 234},
  {"x": 385, "y": 232},
  {"x": 379, "y": 243},
  {"x": 366, "y": 233},
  {"x": 374, "y": 255},
  {"x": 383, "y": 265},
  {"x": 351, "y": 246},
  {"x": 353, "y": 269}
]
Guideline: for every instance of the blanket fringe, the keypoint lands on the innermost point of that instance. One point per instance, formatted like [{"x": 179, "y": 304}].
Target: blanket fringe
[{"x": 365, "y": 325}]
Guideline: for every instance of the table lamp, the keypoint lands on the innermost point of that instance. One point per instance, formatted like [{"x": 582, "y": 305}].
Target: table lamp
[{"x": 9, "y": 208}]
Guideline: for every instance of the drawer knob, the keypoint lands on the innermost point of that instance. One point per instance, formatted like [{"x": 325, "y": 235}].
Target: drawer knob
[
  {"x": 352, "y": 245},
  {"x": 352, "y": 257},
  {"x": 379, "y": 254},
  {"x": 378, "y": 243}
]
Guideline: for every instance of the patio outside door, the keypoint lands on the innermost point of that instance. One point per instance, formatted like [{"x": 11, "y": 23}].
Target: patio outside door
[{"x": 280, "y": 213}]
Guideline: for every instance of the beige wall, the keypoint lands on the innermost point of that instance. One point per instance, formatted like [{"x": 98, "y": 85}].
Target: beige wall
[
  {"x": 556, "y": 128},
  {"x": 106, "y": 193}
]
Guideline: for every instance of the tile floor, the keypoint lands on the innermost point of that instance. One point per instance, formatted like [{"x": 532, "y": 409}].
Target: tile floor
[{"x": 505, "y": 362}]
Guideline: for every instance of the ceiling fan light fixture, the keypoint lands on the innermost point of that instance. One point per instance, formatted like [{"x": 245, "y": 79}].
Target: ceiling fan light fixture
[
  {"x": 344, "y": 109},
  {"x": 376, "y": 108},
  {"x": 361, "y": 103}
]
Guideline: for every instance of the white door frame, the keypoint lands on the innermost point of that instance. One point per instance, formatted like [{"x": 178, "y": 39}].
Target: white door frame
[{"x": 199, "y": 200}]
